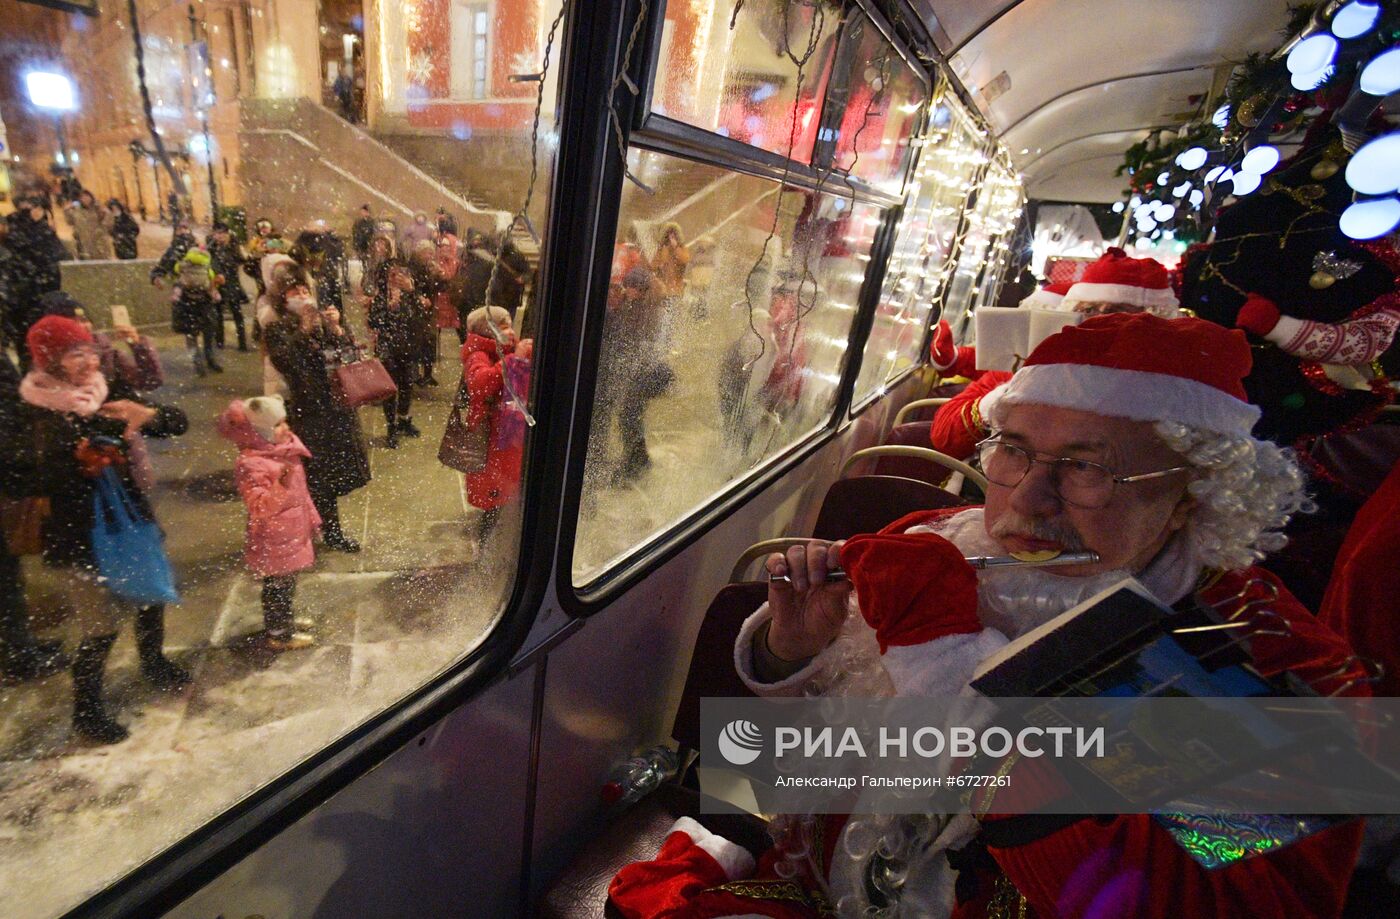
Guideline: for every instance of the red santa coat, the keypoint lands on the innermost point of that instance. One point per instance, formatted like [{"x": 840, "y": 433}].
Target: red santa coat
[
  {"x": 1126, "y": 866},
  {"x": 499, "y": 481},
  {"x": 1361, "y": 601},
  {"x": 958, "y": 424}
]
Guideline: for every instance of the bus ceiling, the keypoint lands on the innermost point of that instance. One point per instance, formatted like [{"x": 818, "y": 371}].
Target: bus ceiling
[{"x": 1069, "y": 85}]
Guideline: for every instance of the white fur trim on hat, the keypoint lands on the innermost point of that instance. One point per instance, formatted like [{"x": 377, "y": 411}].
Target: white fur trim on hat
[
  {"x": 736, "y": 861},
  {"x": 1133, "y": 394},
  {"x": 265, "y": 413},
  {"x": 1159, "y": 300}
]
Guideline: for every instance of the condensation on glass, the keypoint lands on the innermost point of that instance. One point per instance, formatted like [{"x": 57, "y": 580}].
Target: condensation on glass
[
  {"x": 993, "y": 216},
  {"x": 881, "y": 100},
  {"x": 741, "y": 82},
  {"x": 1007, "y": 203},
  {"x": 724, "y": 342},
  {"x": 294, "y": 113},
  {"x": 948, "y": 156}
]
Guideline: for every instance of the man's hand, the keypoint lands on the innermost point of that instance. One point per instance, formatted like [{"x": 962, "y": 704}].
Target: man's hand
[
  {"x": 807, "y": 610},
  {"x": 134, "y": 414},
  {"x": 127, "y": 334},
  {"x": 332, "y": 317}
]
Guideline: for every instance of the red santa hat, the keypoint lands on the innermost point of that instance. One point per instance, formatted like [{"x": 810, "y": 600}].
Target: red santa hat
[
  {"x": 51, "y": 337},
  {"x": 1049, "y": 297},
  {"x": 1118, "y": 278},
  {"x": 1138, "y": 366}
]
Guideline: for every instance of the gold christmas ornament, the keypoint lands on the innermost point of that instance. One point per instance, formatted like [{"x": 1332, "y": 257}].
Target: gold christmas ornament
[
  {"x": 1324, "y": 169},
  {"x": 1321, "y": 280},
  {"x": 1252, "y": 110}
]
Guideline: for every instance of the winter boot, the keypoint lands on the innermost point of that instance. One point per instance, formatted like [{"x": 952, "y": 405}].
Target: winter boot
[
  {"x": 407, "y": 428},
  {"x": 392, "y": 439},
  {"x": 90, "y": 718},
  {"x": 159, "y": 670},
  {"x": 242, "y": 335},
  {"x": 32, "y": 662}
]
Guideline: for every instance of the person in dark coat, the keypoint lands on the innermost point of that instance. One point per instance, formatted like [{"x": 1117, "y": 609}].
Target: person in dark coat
[
  {"x": 469, "y": 287},
  {"x": 22, "y": 656},
  {"x": 298, "y": 343},
  {"x": 429, "y": 282},
  {"x": 73, "y": 429},
  {"x": 226, "y": 257},
  {"x": 446, "y": 223},
  {"x": 509, "y": 290},
  {"x": 362, "y": 232},
  {"x": 181, "y": 242},
  {"x": 36, "y": 250},
  {"x": 125, "y": 229},
  {"x": 394, "y": 323}
]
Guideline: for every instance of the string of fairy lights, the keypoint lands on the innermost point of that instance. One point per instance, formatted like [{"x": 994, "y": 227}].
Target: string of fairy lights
[{"x": 1347, "y": 49}]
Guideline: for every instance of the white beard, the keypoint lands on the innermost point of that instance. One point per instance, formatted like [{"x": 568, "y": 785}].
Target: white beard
[{"x": 1015, "y": 600}]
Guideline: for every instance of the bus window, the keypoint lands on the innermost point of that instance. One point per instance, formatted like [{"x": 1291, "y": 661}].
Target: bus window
[
  {"x": 728, "y": 318},
  {"x": 880, "y": 100},
  {"x": 994, "y": 214},
  {"x": 949, "y": 158},
  {"x": 195, "y": 259},
  {"x": 756, "y": 102}
]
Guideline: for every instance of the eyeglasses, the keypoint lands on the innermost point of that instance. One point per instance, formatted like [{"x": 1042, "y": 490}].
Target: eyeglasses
[{"x": 1078, "y": 482}]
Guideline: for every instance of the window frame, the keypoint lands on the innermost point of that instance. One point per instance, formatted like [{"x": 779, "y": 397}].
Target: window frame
[
  {"x": 588, "y": 43},
  {"x": 649, "y": 130}
]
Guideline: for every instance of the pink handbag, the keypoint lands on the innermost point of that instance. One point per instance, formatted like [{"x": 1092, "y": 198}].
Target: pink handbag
[{"x": 363, "y": 382}]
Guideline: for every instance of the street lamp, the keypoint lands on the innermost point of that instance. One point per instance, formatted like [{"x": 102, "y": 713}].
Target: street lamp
[{"x": 52, "y": 92}]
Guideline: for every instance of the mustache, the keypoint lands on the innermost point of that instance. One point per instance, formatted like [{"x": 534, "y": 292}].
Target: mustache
[{"x": 1054, "y": 529}]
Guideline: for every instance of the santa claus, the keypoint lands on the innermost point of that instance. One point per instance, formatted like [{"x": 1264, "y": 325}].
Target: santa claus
[{"x": 1127, "y": 436}]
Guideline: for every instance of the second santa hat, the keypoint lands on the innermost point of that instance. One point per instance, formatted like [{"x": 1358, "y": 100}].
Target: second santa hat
[{"x": 1118, "y": 278}]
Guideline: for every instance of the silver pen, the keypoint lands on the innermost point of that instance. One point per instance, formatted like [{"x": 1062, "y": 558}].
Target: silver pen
[{"x": 985, "y": 561}]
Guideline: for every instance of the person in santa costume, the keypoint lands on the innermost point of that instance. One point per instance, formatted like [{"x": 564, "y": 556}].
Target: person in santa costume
[
  {"x": 1116, "y": 283},
  {"x": 1128, "y": 435}
]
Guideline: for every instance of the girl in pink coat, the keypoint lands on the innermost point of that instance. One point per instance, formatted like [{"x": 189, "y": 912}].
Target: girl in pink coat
[{"x": 281, "y": 518}]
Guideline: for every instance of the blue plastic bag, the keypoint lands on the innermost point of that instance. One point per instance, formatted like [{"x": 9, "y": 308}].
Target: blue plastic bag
[{"x": 128, "y": 548}]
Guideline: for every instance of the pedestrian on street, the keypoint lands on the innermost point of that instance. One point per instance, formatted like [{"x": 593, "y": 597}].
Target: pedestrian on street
[
  {"x": 226, "y": 257},
  {"x": 394, "y": 321},
  {"x": 123, "y": 228},
  {"x": 282, "y": 518},
  {"x": 195, "y": 309},
  {"x": 299, "y": 341},
  {"x": 90, "y": 220},
  {"x": 73, "y": 432}
]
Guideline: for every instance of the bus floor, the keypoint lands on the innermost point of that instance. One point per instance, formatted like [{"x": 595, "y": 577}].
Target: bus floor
[{"x": 73, "y": 817}]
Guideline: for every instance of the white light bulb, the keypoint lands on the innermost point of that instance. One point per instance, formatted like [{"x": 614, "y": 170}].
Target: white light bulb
[
  {"x": 1135, "y": 202},
  {"x": 1165, "y": 212},
  {"x": 1118, "y": 207},
  {"x": 1312, "y": 54},
  {"x": 1355, "y": 19},
  {"x": 1218, "y": 174},
  {"x": 1197, "y": 198},
  {"x": 1221, "y": 118},
  {"x": 1164, "y": 178},
  {"x": 1246, "y": 182},
  {"x": 1369, "y": 219},
  {"x": 1260, "y": 160},
  {"x": 1181, "y": 190},
  {"x": 1192, "y": 159},
  {"x": 1375, "y": 169},
  {"x": 1381, "y": 77},
  {"x": 1312, "y": 80}
]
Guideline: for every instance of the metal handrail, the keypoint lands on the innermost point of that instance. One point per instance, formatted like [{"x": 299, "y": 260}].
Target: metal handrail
[
  {"x": 918, "y": 404},
  {"x": 760, "y": 549},
  {"x": 925, "y": 453}
]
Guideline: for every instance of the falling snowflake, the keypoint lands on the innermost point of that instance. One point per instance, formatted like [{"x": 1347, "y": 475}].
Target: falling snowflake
[
  {"x": 420, "y": 68},
  {"x": 526, "y": 61}
]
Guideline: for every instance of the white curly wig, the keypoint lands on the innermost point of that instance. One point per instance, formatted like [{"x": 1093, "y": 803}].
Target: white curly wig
[{"x": 1246, "y": 490}]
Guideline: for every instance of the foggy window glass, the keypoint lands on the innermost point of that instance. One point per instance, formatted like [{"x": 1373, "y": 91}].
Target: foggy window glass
[
  {"x": 949, "y": 154},
  {"x": 741, "y": 83},
  {"x": 994, "y": 213},
  {"x": 311, "y": 183},
  {"x": 880, "y": 100},
  {"x": 718, "y": 352},
  {"x": 1007, "y": 201}
]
